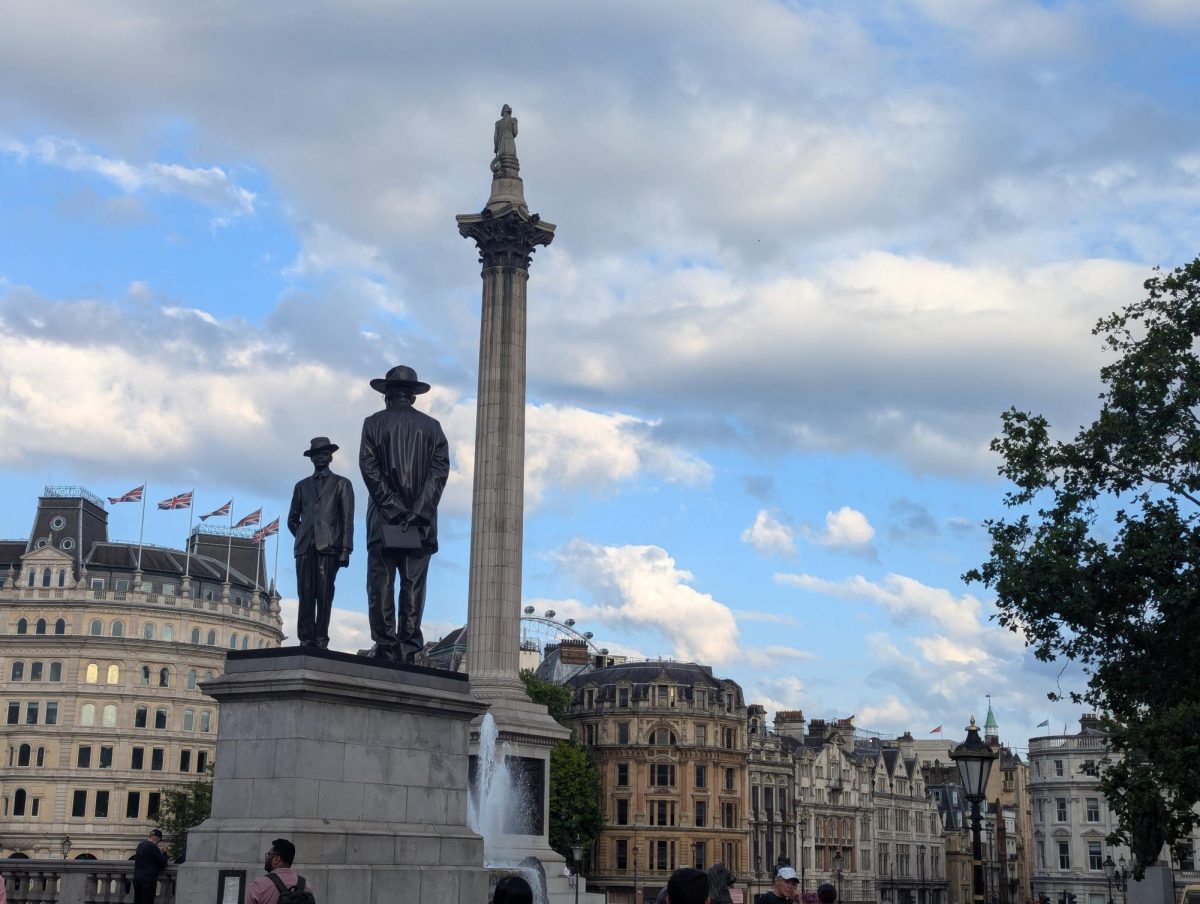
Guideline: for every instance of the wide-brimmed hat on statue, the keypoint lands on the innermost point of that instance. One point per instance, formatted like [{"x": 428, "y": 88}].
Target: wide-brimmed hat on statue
[
  {"x": 401, "y": 377},
  {"x": 320, "y": 444}
]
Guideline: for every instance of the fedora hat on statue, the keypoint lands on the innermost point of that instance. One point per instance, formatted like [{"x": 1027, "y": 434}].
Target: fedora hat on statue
[
  {"x": 400, "y": 376},
  {"x": 320, "y": 444}
]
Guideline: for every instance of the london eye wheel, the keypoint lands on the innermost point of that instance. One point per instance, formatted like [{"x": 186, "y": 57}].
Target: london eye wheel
[{"x": 538, "y": 631}]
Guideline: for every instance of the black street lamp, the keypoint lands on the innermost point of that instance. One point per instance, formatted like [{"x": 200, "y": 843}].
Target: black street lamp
[
  {"x": 1115, "y": 875},
  {"x": 974, "y": 759},
  {"x": 577, "y": 855}
]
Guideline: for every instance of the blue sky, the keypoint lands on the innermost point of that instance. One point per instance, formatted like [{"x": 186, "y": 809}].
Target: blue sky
[{"x": 806, "y": 255}]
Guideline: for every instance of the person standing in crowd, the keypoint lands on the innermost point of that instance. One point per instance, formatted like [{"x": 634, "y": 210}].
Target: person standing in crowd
[{"x": 148, "y": 861}]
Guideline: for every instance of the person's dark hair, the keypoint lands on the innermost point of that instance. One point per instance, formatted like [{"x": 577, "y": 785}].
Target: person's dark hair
[
  {"x": 513, "y": 890},
  {"x": 285, "y": 849},
  {"x": 156, "y": 832},
  {"x": 687, "y": 886},
  {"x": 827, "y": 894}
]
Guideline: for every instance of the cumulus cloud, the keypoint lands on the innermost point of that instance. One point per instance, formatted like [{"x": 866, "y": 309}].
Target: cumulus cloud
[
  {"x": 770, "y": 536},
  {"x": 641, "y": 588},
  {"x": 847, "y": 528}
]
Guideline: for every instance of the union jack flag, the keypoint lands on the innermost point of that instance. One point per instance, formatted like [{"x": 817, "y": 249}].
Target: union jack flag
[
  {"x": 269, "y": 531},
  {"x": 253, "y": 518},
  {"x": 223, "y": 510},
  {"x": 182, "y": 501},
  {"x": 134, "y": 495}
]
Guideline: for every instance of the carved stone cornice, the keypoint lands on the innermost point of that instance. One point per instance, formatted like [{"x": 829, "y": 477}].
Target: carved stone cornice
[{"x": 505, "y": 239}]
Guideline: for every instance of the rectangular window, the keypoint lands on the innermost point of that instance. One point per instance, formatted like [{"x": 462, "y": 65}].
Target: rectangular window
[
  {"x": 662, "y": 695},
  {"x": 701, "y": 735},
  {"x": 137, "y": 758},
  {"x": 79, "y": 804},
  {"x": 1093, "y": 809},
  {"x": 152, "y": 801},
  {"x": 31, "y": 713},
  {"x": 106, "y": 757},
  {"x": 621, "y": 854},
  {"x": 661, "y": 856},
  {"x": 1064, "y": 855},
  {"x": 1187, "y": 855},
  {"x": 14, "y": 713},
  {"x": 122, "y": 584},
  {"x": 622, "y": 732},
  {"x": 623, "y": 697},
  {"x": 730, "y": 816},
  {"x": 589, "y": 735},
  {"x": 729, "y": 780},
  {"x": 83, "y": 759},
  {"x": 101, "y": 808},
  {"x": 701, "y": 856},
  {"x": 622, "y": 812},
  {"x": 701, "y": 814},
  {"x": 97, "y": 583},
  {"x": 185, "y": 761},
  {"x": 623, "y": 774},
  {"x": 662, "y": 775},
  {"x": 157, "y": 755},
  {"x": 202, "y": 761},
  {"x": 51, "y": 713},
  {"x": 1060, "y": 805},
  {"x": 133, "y": 805},
  {"x": 1058, "y": 768},
  {"x": 754, "y": 801},
  {"x": 1095, "y": 857}
]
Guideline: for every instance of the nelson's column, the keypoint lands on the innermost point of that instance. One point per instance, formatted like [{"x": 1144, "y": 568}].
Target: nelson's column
[{"x": 506, "y": 234}]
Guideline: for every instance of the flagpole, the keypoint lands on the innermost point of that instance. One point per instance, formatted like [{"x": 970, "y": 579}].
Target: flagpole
[
  {"x": 229, "y": 548},
  {"x": 187, "y": 543},
  {"x": 275, "y": 576},
  {"x": 258, "y": 561},
  {"x": 142, "y": 529}
]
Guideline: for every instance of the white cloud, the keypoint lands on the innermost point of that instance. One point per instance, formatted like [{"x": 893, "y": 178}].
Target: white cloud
[
  {"x": 771, "y": 618},
  {"x": 768, "y": 535},
  {"x": 847, "y": 528},
  {"x": 776, "y": 656},
  {"x": 640, "y": 588}
]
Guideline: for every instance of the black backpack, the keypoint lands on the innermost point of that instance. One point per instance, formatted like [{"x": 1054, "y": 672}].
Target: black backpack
[{"x": 297, "y": 894}]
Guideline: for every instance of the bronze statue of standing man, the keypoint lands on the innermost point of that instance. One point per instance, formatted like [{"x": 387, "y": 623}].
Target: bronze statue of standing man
[
  {"x": 405, "y": 460},
  {"x": 322, "y": 521}
]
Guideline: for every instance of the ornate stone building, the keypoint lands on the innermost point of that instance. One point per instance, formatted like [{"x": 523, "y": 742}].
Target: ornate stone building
[
  {"x": 104, "y": 649},
  {"x": 670, "y": 741},
  {"x": 773, "y": 822}
]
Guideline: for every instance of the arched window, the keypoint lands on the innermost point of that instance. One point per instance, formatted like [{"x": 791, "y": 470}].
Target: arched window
[
  {"x": 40, "y": 761},
  {"x": 60, "y": 626},
  {"x": 189, "y": 720},
  {"x": 233, "y": 641},
  {"x": 45, "y": 577},
  {"x": 22, "y": 626},
  {"x": 192, "y": 680},
  {"x": 245, "y": 641},
  {"x": 160, "y": 718},
  {"x": 148, "y": 631},
  {"x": 168, "y": 633},
  {"x": 164, "y": 677},
  {"x": 205, "y": 720},
  {"x": 118, "y": 628},
  {"x": 56, "y": 671},
  {"x": 62, "y": 577},
  {"x": 139, "y": 717},
  {"x": 92, "y": 674},
  {"x": 144, "y": 676},
  {"x": 23, "y": 754},
  {"x": 209, "y": 676},
  {"x": 87, "y": 714},
  {"x": 19, "y": 802},
  {"x": 32, "y": 577},
  {"x": 35, "y": 671},
  {"x": 110, "y": 715},
  {"x": 114, "y": 675},
  {"x": 195, "y": 635},
  {"x": 39, "y": 626},
  {"x": 662, "y": 738},
  {"x": 208, "y": 595},
  {"x": 96, "y": 628},
  {"x": 18, "y": 671},
  {"x": 212, "y": 637}
]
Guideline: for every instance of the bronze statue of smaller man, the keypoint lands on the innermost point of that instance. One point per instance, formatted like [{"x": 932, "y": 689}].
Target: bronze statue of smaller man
[{"x": 322, "y": 521}]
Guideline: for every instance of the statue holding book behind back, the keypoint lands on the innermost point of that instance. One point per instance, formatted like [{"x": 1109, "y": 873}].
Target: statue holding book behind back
[{"x": 405, "y": 460}]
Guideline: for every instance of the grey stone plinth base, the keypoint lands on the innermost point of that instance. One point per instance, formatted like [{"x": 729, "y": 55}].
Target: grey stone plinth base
[{"x": 362, "y": 765}]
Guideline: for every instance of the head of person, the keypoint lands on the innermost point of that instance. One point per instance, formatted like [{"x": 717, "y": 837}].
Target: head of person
[
  {"x": 400, "y": 386},
  {"x": 281, "y": 853},
  {"x": 512, "y": 890},
  {"x": 155, "y": 836},
  {"x": 320, "y": 451},
  {"x": 787, "y": 883},
  {"x": 827, "y": 893},
  {"x": 687, "y": 886}
]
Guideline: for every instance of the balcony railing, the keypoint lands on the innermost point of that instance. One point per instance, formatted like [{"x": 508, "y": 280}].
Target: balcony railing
[{"x": 78, "y": 882}]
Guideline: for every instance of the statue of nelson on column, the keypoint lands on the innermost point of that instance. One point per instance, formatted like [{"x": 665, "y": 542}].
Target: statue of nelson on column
[{"x": 405, "y": 461}]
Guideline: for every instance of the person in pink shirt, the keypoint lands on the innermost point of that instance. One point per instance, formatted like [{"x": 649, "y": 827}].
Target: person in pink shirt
[{"x": 278, "y": 863}]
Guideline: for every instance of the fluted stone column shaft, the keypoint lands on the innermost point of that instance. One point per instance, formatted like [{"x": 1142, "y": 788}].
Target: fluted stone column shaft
[{"x": 498, "y": 499}]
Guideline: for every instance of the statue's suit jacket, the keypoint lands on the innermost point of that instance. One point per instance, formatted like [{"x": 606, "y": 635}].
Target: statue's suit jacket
[
  {"x": 322, "y": 515},
  {"x": 405, "y": 460}
]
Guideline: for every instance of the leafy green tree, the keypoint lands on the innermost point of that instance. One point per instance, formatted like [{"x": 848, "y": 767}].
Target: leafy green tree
[
  {"x": 182, "y": 809},
  {"x": 1102, "y": 565},
  {"x": 575, "y": 811}
]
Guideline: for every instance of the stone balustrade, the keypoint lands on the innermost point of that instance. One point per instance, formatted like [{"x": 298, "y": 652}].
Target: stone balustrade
[{"x": 77, "y": 882}]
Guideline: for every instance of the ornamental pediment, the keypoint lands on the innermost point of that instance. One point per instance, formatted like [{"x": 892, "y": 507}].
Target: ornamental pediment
[{"x": 47, "y": 555}]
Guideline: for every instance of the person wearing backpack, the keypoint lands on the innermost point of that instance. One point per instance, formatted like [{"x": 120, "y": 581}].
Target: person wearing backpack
[{"x": 281, "y": 884}]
